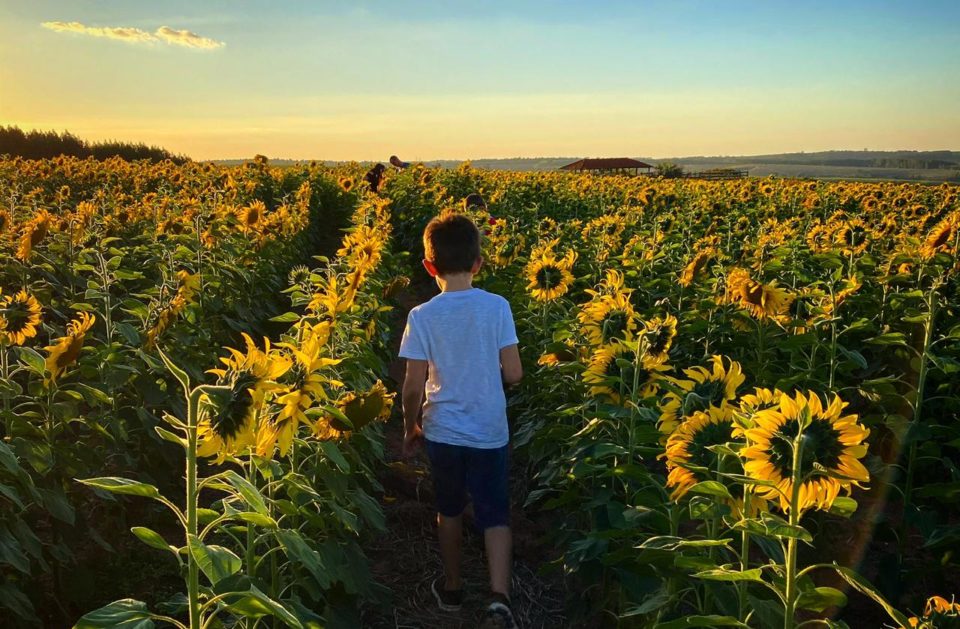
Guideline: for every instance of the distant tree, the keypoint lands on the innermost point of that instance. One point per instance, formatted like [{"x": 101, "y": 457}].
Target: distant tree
[
  {"x": 47, "y": 144},
  {"x": 669, "y": 170}
]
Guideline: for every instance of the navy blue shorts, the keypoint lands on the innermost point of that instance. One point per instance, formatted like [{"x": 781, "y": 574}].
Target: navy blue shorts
[{"x": 459, "y": 469}]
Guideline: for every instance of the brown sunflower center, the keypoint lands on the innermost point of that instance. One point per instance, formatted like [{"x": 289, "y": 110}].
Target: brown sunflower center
[
  {"x": 821, "y": 445},
  {"x": 230, "y": 411},
  {"x": 702, "y": 396},
  {"x": 549, "y": 276}
]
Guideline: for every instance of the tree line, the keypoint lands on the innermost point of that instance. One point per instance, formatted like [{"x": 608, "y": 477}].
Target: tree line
[{"x": 45, "y": 144}]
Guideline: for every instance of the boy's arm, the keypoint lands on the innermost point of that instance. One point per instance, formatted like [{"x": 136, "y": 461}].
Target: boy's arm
[
  {"x": 412, "y": 398},
  {"x": 510, "y": 364}
]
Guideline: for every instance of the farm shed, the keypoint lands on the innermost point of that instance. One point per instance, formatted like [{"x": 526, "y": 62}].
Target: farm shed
[{"x": 609, "y": 166}]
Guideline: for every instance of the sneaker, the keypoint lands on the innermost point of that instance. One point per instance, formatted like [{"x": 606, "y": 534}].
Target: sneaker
[
  {"x": 447, "y": 600},
  {"x": 498, "y": 614}
]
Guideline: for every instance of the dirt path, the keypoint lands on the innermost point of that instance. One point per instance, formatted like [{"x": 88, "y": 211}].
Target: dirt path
[{"x": 407, "y": 557}]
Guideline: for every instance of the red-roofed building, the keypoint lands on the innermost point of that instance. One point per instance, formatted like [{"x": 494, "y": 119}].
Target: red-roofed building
[{"x": 609, "y": 166}]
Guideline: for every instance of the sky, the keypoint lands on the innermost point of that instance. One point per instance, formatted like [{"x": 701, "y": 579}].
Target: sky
[{"x": 447, "y": 79}]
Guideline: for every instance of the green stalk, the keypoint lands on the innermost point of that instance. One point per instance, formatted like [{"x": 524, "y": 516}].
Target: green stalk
[
  {"x": 921, "y": 388},
  {"x": 250, "y": 555},
  {"x": 791, "y": 567},
  {"x": 744, "y": 557},
  {"x": 5, "y": 375},
  {"x": 193, "y": 578}
]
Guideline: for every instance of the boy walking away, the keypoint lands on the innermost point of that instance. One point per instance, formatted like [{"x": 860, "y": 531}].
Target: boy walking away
[{"x": 461, "y": 349}]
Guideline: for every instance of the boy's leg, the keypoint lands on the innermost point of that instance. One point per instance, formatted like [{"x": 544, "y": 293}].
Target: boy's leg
[
  {"x": 499, "y": 545},
  {"x": 487, "y": 472},
  {"x": 448, "y": 472},
  {"x": 450, "y": 531}
]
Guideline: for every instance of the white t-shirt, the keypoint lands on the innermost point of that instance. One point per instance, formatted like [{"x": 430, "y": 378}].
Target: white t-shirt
[{"x": 460, "y": 334}]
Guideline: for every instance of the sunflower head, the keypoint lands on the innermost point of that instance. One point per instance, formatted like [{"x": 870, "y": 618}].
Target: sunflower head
[
  {"x": 658, "y": 335},
  {"x": 20, "y": 316},
  {"x": 702, "y": 389},
  {"x": 826, "y": 444},
  {"x": 365, "y": 407},
  {"x": 230, "y": 416},
  {"x": 66, "y": 350}
]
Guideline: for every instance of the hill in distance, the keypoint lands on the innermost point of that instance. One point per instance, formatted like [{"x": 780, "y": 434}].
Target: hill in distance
[{"x": 929, "y": 166}]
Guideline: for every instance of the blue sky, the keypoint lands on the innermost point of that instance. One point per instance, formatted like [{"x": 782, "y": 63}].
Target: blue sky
[{"x": 361, "y": 80}]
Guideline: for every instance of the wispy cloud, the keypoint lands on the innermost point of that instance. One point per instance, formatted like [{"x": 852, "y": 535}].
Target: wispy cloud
[
  {"x": 164, "y": 34},
  {"x": 187, "y": 38}
]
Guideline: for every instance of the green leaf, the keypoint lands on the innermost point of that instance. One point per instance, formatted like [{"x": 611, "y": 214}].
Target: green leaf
[
  {"x": 216, "y": 562},
  {"x": 57, "y": 504},
  {"x": 843, "y": 506},
  {"x": 247, "y": 491},
  {"x": 890, "y": 338},
  {"x": 818, "y": 599},
  {"x": 178, "y": 373},
  {"x": 702, "y": 621},
  {"x": 865, "y": 587},
  {"x": 151, "y": 538},
  {"x": 287, "y": 317},
  {"x": 258, "y": 519},
  {"x": 298, "y": 551},
  {"x": 724, "y": 574},
  {"x": 123, "y": 614},
  {"x": 33, "y": 360},
  {"x": 711, "y": 488},
  {"x": 333, "y": 453},
  {"x": 254, "y": 604},
  {"x": 166, "y": 435},
  {"x": 14, "y": 600},
  {"x": 117, "y": 485}
]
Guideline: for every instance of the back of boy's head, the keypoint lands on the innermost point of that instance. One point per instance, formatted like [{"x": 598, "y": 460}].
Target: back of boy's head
[{"x": 452, "y": 243}]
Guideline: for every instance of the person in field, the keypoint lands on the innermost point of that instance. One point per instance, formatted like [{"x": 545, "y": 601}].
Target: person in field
[
  {"x": 374, "y": 177},
  {"x": 461, "y": 350}
]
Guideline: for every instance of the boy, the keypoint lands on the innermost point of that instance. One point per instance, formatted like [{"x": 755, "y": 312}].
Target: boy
[{"x": 465, "y": 339}]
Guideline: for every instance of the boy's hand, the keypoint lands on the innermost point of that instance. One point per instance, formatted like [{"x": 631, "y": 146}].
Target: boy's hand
[{"x": 411, "y": 441}]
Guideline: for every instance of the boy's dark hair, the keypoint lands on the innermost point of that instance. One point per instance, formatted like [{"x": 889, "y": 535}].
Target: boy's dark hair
[{"x": 452, "y": 243}]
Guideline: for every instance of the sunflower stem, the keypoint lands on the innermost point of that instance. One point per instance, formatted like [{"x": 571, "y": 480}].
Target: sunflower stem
[
  {"x": 250, "y": 555},
  {"x": 790, "y": 593},
  {"x": 193, "y": 574},
  {"x": 744, "y": 558},
  {"x": 918, "y": 407}
]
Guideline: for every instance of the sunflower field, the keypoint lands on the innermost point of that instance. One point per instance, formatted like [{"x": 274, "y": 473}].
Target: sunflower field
[{"x": 741, "y": 406}]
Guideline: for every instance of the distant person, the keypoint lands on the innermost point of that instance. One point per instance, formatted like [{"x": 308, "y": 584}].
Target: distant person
[
  {"x": 461, "y": 351},
  {"x": 397, "y": 163},
  {"x": 474, "y": 200},
  {"x": 374, "y": 177}
]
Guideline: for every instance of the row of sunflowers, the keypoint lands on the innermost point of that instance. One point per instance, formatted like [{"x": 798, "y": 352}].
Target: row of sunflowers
[
  {"x": 262, "y": 465},
  {"x": 743, "y": 393}
]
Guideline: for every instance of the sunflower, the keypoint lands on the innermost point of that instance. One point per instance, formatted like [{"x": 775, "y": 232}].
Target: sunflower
[
  {"x": 305, "y": 389},
  {"x": 549, "y": 276},
  {"x": 65, "y": 351},
  {"x": 228, "y": 424},
  {"x": 618, "y": 360},
  {"x": 19, "y": 318},
  {"x": 346, "y": 183},
  {"x": 938, "y": 613},
  {"x": 688, "y": 448},
  {"x": 696, "y": 265},
  {"x": 820, "y": 238},
  {"x": 251, "y": 215},
  {"x": 942, "y": 238},
  {"x": 831, "y": 443},
  {"x": 658, "y": 334},
  {"x": 608, "y": 317},
  {"x": 330, "y": 301},
  {"x": 853, "y": 236},
  {"x": 762, "y": 301},
  {"x": 363, "y": 408},
  {"x": 33, "y": 233},
  {"x": 701, "y": 389}
]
